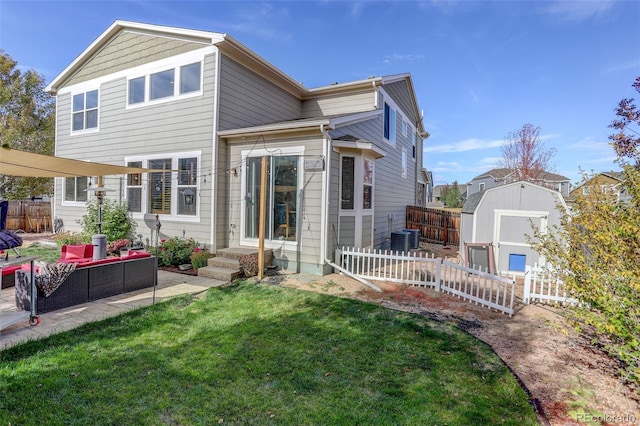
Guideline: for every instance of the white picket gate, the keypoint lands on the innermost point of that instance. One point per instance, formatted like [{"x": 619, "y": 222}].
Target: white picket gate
[
  {"x": 420, "y": 269},
  {"x": 412, "y": 268},
  {"x": 540, "y": 285},
  {"x": 483, "y": 288}
]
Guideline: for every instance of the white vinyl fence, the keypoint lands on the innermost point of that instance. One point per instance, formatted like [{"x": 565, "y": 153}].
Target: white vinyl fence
[
  {"x": 540, "y": 285},
  {"x": 418, "y": 269}
]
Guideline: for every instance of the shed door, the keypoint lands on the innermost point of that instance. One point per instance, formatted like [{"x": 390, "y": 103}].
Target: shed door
[{"x": 512, "y": 251}]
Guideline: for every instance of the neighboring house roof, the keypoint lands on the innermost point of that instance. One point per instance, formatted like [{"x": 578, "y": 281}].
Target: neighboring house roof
[
  {"x": 495, "y": 173},
  {"x": 503, "y": 173}
]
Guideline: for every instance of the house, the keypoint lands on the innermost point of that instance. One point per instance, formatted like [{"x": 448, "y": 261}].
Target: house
[
  {"x": 342, "y": 161},
  {"x": 503, "y": 176},
  {"x": 437, "y": 193},
  {"x": 606, "y": 181},
  {"x": 499, "y": 220},
  {"x": 425, "y": 188}
]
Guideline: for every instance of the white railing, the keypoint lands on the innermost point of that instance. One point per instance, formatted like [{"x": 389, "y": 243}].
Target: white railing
[
  {"x": 420, "y": 269},
  {"x": 540, "y": 285},
  {"x": 412, "y": 268}
]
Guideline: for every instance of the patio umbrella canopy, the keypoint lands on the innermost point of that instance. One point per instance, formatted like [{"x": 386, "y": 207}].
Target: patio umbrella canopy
[{"x": 21, "y": 163}]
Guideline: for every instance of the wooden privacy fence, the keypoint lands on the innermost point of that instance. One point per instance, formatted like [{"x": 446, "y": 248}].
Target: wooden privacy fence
[
  {"x": 435, "y": 225},
  {"x": 541, "y": 285},
  {"x": 29, "y": 216},
  {"x": 418, "y": 269}
]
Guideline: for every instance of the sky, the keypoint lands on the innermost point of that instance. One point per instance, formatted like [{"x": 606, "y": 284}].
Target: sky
[{"x": 481, "y": 69}]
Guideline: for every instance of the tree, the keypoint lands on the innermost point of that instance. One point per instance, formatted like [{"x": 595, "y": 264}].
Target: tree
[
  {"x": 627, "y": 146},
  {"x": 451, "y": 196},
  {"x": 27, "y": 120},
  {"x": 596, "y": 252},
  {"x": 525, "y": 154}
]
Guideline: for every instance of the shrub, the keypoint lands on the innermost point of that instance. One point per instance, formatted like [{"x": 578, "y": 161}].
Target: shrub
[
  {"x": 64, "y": 238},
  {"x": 199, "y": 258},
  {"x": 113, "y": 248},
  {"x": 175, "y": 251},
  {"x": 117, "y": 223}
]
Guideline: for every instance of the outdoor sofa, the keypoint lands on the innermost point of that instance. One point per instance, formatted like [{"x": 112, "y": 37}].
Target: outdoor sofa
[{"x": 90, "y": 280}]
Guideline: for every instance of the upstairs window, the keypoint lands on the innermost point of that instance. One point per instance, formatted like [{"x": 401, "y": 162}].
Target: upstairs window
[
  {"x": 85, "y": 111},
  {"x": 162, "y": 84},
  {"x": 190, "y": 78},
  {"x": 389, "y": 123},
  {"x": 165, "y": 84},
  {"x": 136, "y": 90},
  {"x": 413, "y": 142},
  {"x": 403, "y": 166}
]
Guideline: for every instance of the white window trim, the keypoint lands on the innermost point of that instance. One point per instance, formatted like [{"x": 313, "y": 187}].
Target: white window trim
[
  {"x": 184, "y": 59},
  {"x": 174, "y": 216},
  {"x": 66, "y": 203},
  {"x": 279, "y": 152},
  {"x": 481, "y": 186},
  {"x": 404, "y": 164},
  {"x": 386, "y": 98},
  {"x": 146, "y": 73},
  {"x": 83, "y": 89}
]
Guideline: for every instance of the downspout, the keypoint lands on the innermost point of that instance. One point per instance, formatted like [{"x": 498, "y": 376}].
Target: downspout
[
  {"x": 324, "y": 234},
  {"x": 214, "y": 156}
]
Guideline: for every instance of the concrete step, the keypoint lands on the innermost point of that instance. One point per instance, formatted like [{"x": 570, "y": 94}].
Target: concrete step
[
  {"x": 224, "y": 262},
  {"x": 223, "y": 274}
]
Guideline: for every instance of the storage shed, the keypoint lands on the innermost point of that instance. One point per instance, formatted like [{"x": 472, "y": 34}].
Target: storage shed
[{"x": 500, "y": 218}]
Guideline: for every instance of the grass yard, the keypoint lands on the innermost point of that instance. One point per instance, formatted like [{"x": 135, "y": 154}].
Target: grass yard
[
  {"x": 257, "y": 354},
  {"x": 45, "y": 253}
]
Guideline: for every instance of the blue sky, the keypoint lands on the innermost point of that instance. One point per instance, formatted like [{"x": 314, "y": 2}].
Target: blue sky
[{"x": 480, "y": 69}]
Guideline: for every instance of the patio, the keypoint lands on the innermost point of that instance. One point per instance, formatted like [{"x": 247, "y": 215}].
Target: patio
[{"x": 169, "y": 285}]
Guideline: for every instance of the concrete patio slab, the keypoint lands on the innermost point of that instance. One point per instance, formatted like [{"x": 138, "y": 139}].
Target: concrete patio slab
[{"x": 169, "y": 285}]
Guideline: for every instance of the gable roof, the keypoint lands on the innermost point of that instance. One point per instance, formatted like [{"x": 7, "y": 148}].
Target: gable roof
[
  {"x": 474, "y": 200},
  {"x": 227, "y": 44}
]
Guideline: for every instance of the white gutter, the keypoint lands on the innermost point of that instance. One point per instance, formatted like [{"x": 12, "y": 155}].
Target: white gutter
[
  {"x": 215, "y": 143},
  {"x": 324, "y": 216}
]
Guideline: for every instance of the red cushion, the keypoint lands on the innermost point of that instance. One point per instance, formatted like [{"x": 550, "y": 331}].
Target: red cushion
[
  {"x": 8, "y": 270},
  {"x": 74, "y": 252}
]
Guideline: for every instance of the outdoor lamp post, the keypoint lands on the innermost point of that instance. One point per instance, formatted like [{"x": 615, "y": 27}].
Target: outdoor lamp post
[
  {"x": 188, "y": 196},
  {"x": 99, "y": 241}
]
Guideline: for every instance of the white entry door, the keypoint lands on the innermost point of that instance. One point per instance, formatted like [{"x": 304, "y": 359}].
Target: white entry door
[{"x": 355, "y": 220}]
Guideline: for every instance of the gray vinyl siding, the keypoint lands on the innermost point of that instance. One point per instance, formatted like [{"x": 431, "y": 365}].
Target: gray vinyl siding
[
  {"x": 247, "y": 99},
  {"x": 307, "y": 257},
  {"x": 392, "y": 192},
  {"x": 489, "y": 182},
  {"x": 347, "y": 232},
  {"x": 339, "y": 104},
  {"x": 171, "y": 127},
  {"x": 130, "y": 49},
  {"x": 402, "y": 97}
]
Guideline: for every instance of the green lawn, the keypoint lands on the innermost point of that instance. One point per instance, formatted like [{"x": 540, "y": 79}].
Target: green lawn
[
  {"x": 257, "y": 354},
  {"x": 45, "y": 253}
]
